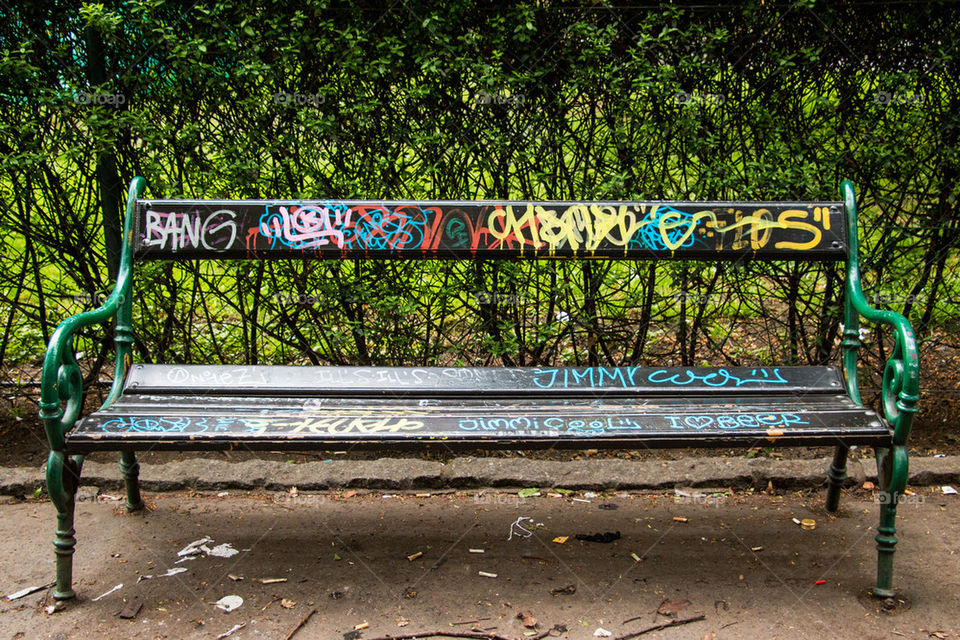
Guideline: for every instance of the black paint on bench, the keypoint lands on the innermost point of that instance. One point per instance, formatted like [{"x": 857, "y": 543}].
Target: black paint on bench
[
  {"x": 477, "y": 381},
  {"x": 199, "y": 407},
  {"x": 181, "y": 229}
]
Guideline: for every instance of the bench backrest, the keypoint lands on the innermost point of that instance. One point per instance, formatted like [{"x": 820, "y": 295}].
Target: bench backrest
[{"x": 185, "y": 229}]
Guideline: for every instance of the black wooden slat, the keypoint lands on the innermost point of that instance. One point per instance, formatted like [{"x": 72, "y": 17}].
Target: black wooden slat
[
  {"x": 190, "y": 422},
  {"x": 475, "y": 382},
  {"x": 184, "y": 229},
  {"x": 149, "y": 403}
]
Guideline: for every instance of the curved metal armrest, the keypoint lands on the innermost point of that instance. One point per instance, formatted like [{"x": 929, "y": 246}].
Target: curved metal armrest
[
  {"x": 901, "y": 373},
  {"x": 61, "y": 382}
]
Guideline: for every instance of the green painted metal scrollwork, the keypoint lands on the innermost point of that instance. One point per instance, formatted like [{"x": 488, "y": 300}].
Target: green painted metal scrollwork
[
  {"x": 900, "y": 394},
  {"x": 901, "y": 378},
  {"x": 61, "y": 398}
]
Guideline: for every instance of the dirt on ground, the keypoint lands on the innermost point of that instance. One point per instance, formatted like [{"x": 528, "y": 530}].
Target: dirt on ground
[{"x": 368, "y": 566}]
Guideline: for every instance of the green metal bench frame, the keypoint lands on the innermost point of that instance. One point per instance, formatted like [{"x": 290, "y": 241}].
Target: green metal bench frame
[{"x": 62, "y": 399}]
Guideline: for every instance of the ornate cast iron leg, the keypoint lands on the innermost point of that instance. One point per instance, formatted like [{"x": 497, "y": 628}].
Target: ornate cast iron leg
[
  {"x": 63, "y": 478},
  {"x": 836, "y": 475},
  {"x": 130, "y": 469},
  {"x": 892, "y": 466}
]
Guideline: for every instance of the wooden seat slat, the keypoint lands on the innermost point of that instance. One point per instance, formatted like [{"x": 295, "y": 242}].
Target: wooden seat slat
[{"x": 477, "y": 381}]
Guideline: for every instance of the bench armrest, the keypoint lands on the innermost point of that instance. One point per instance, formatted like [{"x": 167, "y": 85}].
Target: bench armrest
[
  {"x": 901, "y": 373},
  {"x": 61, "y": 383}
]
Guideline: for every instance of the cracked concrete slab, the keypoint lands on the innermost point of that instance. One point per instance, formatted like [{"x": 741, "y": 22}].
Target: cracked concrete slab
[{"x": 470, "y": 472}]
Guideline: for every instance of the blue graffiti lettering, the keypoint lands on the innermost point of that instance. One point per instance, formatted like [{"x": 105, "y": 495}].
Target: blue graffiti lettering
[{"x": 717, "y": 378}]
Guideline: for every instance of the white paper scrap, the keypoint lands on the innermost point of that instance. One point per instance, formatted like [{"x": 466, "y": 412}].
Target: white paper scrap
[
  {"x": 229, "y": 603},
  {"x": 103, "y": 595}
]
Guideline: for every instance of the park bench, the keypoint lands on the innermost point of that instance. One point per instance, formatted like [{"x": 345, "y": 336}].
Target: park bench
[{"x": 200, "y": 407}]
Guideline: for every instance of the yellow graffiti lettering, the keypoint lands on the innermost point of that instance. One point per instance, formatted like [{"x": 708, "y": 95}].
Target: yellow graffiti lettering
[
  {"x": 788, "y": 220},
  {"x": 622, "y": 222},
  {"x": 672, "y": 220},
  {"x": 505, "y": 226}
]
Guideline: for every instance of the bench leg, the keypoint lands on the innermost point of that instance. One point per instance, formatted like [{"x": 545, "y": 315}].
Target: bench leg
[
  {"x": 130, "y": 469},
  {"x": 836, "y": 476},
  {"x": 63, "y": 478},
  {"x": 892, "y": 468}
]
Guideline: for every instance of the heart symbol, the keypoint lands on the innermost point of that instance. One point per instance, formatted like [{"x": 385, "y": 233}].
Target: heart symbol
[{"x": 698, "y": 422}]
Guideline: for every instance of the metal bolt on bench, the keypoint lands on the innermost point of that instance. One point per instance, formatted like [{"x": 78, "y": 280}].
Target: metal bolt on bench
[{"x": 196, "y": 407}]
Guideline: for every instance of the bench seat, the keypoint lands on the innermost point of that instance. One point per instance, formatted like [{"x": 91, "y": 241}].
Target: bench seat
[{"x": 267, "y": 407}]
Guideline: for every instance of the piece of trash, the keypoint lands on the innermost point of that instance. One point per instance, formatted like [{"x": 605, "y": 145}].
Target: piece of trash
[
  {"x": 562, "y": 316},
  {"x": 270, "y": 580},
  {"x": 287, "y": 604},
  {"x": 361, "y": 626},
  {"x": 672, "y": 607},
  {"x": 561, "y": 539},
  {"x": 679, "y": 519},
  {"x": 105, "y": 594},
  {"x": 869, "y": 486},
  {"x": 635, "y": 557},
  {"x": 604, "y": 538},
  {"x": 414, "y": 556},
  {"x": 939, "y": 455},
  {"x": 601, "y": 633},
  {"x": 756, "y": 549},
  {"x": 477, "y": 551},
  {"x": 568, "y": 590},
  {"x": 819, "y": 582},
  {"x": 233, "y": 630},
  {"x": 808, "y": 524},
  {"x": 25, "y": 592},
  {"x": 294, "y": 492},
  {"x": 948, "y": 490},
  {"x": 130, "y": 611},
  {"x": 170, "y": 572},
  {"x": 223, "y": 494},
  {"x": 580, "y": 500},
  {"x": 55, "y": 607},
  {"x": 608, "y": 506},
  {"x": 796, "y": 521},
  {"x": 589, "y": 494},
  {"x": 235, "y": 578},
  {"x": 402, "y": 622},
  {"x": 348, "y": 494},
  {"x": 527, "y": 619},
  {"x": 909, "y": 492},
  {"x": 487, "y": 574},
  {"x": 516, "y": 529},
  {"x": 229, "y": 603},
  {"x": 193, "y": 548},
  {"x": 224, "y": 550},
  {"x": 421, "y": 495}
]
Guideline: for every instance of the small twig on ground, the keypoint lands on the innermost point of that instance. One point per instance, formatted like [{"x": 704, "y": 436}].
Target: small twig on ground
[
  {"x": 657, "y": 627},
  {"x": 447, "y": 634},
  {"x": 470, "y": 621},
  {"x": 300, "y": 624}
]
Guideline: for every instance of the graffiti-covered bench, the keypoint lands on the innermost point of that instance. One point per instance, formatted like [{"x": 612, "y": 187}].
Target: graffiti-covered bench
[{"x": 184, "y": 407}]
